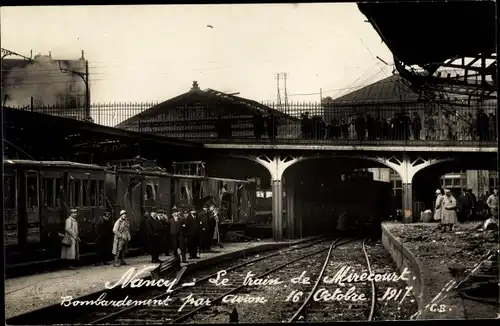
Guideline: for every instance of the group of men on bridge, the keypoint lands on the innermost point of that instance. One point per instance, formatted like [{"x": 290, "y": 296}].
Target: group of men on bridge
[{"x": 187, "y": 230}]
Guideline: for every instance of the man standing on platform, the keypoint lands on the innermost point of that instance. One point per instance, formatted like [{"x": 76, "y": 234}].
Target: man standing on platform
[
  {"x": 104, "y": 239},
  {"x": 153, "y": 237},
  {"x": 121, "y": 230},
  {"x": 177, "y": 229},
  {"x": 165, "y": 243},
  {"x": 214, "y": 219},
  {"x": 205, "y": 235},
  {"x": 194, "y": 228}
]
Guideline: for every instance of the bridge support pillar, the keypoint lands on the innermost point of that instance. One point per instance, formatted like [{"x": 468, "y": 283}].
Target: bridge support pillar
[
  {"x": 407, "y": 167},
  {"x": 276, "y": 167},
  {"x": 290, "y": 208}
]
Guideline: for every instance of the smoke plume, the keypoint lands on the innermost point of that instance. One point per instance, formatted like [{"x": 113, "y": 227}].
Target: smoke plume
[{"x": 44, "y": 81}]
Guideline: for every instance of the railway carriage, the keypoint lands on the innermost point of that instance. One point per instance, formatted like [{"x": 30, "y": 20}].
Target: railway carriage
[{"x": 38, "y": 196}]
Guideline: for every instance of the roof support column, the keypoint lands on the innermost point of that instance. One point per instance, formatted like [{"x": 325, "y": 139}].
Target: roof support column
[
  {"x": 276, "y": 167},
  {"x": 406, "y": 167}
]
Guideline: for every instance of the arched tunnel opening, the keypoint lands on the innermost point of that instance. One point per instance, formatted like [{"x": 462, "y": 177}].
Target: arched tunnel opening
[
  {"x": 334, "y": 195},
  {"x": 477, "y": 175}
]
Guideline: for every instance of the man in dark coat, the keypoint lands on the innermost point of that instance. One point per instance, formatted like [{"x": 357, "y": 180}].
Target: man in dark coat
[
  {"x": 194, "y": 227},
  {"x": 464, "y": 206},
  {"x": 164, "y": 244},
  {"x": 205, "y": 235},
  {"x": 104, "y": 239},
  {"x": 177, "y": 229},
  {"x": 153, "y": 237},
  {"x": 473, "y": 201}
]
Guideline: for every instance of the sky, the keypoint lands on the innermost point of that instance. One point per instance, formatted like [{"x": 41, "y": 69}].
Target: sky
[{"x": 153, "y": 53}]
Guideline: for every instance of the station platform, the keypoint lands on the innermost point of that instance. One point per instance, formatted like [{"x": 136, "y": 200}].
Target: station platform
[
  {"x": 28, "y": 293},
  {"x": 442, "y": 261}
]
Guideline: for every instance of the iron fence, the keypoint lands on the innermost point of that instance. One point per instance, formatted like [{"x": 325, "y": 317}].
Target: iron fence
[{"x": 408, "y": 123}]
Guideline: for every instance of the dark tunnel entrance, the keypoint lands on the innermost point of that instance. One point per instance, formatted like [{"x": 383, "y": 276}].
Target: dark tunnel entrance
[{"x": 337, "y": 196}]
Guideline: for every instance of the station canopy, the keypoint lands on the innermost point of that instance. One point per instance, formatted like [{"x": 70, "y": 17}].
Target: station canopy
[{"x": 420, "y": 33}]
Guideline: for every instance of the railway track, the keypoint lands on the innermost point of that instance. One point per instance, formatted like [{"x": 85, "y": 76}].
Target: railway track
[
  {"x": 205, "y": 290},
  {"x": 288, "y": 301},
  {"x": 297, "y": 301},
  {"x": 316, "y": 307}
]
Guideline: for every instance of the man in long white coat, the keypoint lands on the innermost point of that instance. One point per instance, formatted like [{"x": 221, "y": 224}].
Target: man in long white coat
[
  {"x": 449, "y": 211},
  {"x": 121, "y": 230},
  {"x": 71, "y": 252}
]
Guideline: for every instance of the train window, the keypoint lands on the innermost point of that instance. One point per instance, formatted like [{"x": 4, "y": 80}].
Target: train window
[
  {"x": 85, "y": 192},
  {"x": 93, "y": 193},
  {"x": 9, "y": 186},
  {"x": 149, "y": 193},
  {"x": 78, "y": 190},
  {"x": 48, "y": 192},
  {"x": 101, "y": 193},
  {"x": 197, "y": 190},
  {"x": 32, "y": 191},
  {"x": 71, "y": 193},
  {"x": 58, "y": 192}
]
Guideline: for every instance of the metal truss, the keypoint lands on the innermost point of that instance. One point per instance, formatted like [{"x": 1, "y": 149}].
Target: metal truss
[
  {"x": 407, "y": 167},
  {"x": 471, "y": 83},
  {"x": 403, "y": 164}
]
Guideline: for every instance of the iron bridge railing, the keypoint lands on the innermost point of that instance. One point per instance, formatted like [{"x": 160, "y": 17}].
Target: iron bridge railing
[{"x": 397, "y": 123}]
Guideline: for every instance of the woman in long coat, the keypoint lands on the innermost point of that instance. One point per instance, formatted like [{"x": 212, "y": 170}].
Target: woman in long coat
[
  {"x": 72, "y": 252},
  {"x": 449, "y": 211},
  {"x": 121, "y": 230},
  {"x": 438, "y": 207}
]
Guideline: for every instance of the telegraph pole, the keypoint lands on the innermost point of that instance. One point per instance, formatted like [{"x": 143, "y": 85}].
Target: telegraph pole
[
  {"x": 321, "y": 95},
  {"x": 286, "y": 93},
  {"x": 278, "y": 89}
]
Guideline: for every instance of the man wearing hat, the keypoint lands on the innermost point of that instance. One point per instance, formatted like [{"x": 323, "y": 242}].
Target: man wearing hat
[
  {"x": 205, "y": 236},
  {"x": 449, "y": 211},
  {"x": 438, "y": 207},
  {"x": 121, "y": 230},
  {"x": 104, "y": 239},
  {"x": 70, "y": 250},
  {"x": 177, "y": 230},
  {"x": 194, "y": 228},
  {"x": 464, "y": 206},
  {"x": 165, "y": 234},
  {"x": 153, "y": 237}
]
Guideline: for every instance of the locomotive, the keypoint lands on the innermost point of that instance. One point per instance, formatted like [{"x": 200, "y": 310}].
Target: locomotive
[
  {"x": 39, "y": 194},
  {"x": 363, "y": 203}
]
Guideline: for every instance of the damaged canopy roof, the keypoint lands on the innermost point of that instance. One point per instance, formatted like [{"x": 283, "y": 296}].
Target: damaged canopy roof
[{"x": 419, "y": 33}]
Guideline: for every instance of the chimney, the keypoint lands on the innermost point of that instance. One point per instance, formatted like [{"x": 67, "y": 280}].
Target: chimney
[
  {"x": 195, "y": 87},
  {"x": 83, "y": 55}
]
